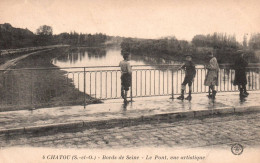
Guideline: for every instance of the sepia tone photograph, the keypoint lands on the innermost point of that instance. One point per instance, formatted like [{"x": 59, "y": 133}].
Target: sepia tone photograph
[{"x": 129, "y": 81}]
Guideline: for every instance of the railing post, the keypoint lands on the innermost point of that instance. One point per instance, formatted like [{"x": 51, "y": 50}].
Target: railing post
[
  {"x": 31, "y": 87},
  {"x": 84, "y": 87},
  {"x": 172, "y": 86},
  {"x": 259, "y": 78},
  {"x": 131, "y": 91}
]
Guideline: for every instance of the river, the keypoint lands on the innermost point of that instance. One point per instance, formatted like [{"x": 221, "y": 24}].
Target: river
[{"x": 149, "y": 79}]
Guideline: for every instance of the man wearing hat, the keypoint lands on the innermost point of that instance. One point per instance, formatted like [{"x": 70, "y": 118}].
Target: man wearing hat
[
  {"x": 211, "y": 79},
  {"x": 190, "y": 73},
  {"x": 126, "y": 75},
  {"x": 240, "y": 73}
]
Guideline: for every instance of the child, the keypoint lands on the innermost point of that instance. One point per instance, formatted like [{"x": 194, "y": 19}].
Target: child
[
  {"x": 190, "y": 73},
  {"x": 126, "y": 76}
]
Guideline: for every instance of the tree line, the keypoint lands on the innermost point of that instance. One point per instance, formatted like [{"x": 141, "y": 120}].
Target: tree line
[
  {"x": 224, "y": 46},
  {"x": 254, "y": 41},
  {"x": 79, "y": 39},
  {"x": 11, "y": 37},
  {"x": 216, "y": 40}
]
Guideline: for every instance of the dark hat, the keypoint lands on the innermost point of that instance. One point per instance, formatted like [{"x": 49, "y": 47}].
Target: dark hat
[
  {"x": 210, "y": 53},
  {"x": 188, "y": 55},
  {"x": 124, "y": 52},
  {"x": 126, "y": 55},
  {"x": 240, "y": 52}
]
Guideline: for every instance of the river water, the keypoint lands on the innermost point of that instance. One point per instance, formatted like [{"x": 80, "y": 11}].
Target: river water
[{"x": 148, "y": 78}]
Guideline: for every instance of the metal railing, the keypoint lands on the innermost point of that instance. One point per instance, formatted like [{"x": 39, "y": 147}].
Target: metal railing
[{"x": 81, "y": 85}]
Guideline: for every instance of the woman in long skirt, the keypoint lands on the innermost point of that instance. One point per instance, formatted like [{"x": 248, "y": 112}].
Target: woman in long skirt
[{"x": 211, "y": 79}]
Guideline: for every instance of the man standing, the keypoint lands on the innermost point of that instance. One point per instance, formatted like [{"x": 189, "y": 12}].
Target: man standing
[
  {"x": 211, "y": 79},
  {"x": 126, "y": 75},
  {"x": 190, "y": 73},
  {"x": 240, "y": 73}
]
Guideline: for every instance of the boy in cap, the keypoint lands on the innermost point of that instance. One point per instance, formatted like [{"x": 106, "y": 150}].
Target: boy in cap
[
  {"x": 126, "y": 75},
  {"x": 190, "y": 73},
  {"x": 240, "y": 73}
]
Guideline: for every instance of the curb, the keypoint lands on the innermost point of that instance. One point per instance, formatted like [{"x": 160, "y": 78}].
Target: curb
[{"x": 129, "y": 121}]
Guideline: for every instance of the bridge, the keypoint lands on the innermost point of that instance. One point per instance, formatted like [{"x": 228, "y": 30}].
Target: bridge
[
  {"x": 40, "y": 87},
  {"x": 78, "y": 86}
]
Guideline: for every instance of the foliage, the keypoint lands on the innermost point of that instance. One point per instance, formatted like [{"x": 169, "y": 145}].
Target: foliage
[
  {"x": 254, "y": 41},
  {"x": 15, "y": 37},
  {"x": 11, "y": 37},
  {"x": 73, "y": 38},
  {"x": 44, "y": 30},
  {"x": 44, "y": 35},
  {"x": 217, "y": 41},
  {"x": 224, "y": 47},
  {"x": 166, "y": 46}
]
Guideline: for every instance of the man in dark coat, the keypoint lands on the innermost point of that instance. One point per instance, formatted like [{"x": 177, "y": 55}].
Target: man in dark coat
[{"x": 240, "y": 74}]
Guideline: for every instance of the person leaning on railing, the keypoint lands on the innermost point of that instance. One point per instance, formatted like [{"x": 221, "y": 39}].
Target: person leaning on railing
[
  {"x": 126, "y": 75},
  {"x": 190, "y": 73},
  {"x": 211, "y": 79},
  {"x": 240, "y": 73}
]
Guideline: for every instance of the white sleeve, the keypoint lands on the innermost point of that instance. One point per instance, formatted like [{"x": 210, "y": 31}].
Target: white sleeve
[{"x": 129, "y": 68}]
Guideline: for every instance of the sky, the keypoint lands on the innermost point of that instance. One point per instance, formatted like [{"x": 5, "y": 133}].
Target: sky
[{"x": 136, "y": 18}]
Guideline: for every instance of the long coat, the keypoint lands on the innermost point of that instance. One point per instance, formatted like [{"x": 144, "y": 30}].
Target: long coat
[
  {"x": 212, "y": 74},
  {"x": 240, "y": 71}
]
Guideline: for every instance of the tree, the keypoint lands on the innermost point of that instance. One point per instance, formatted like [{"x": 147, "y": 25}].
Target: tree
[
  {"x": 245, "y": 41},
  {"x": 44, "y": 30},
  {"x": 254, "y": 42},
  {"x": 44, "y": 35}
]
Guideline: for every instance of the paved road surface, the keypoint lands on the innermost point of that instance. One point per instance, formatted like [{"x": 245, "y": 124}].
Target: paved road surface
[{"x": 189, "y": 133}]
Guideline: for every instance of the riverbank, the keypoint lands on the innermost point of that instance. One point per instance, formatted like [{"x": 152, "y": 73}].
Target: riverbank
[
  {"x": 29, "y": 89},
  {"x": 173, "y": 49},
  {"x": 9, "y": 54}
]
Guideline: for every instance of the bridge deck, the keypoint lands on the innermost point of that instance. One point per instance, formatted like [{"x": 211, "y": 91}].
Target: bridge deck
[{"x": 111, "y": 110}]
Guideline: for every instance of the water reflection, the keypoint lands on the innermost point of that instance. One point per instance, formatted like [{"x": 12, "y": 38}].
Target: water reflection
[
  {"x": 242, "y": 100},
  {"x": 152, "y": 60},
  {"x": 124, "y": 106},
  {"x": 84, "y": 57},
  {"x": 79, "y": 54},
  {"x": 96, "y": 53}
]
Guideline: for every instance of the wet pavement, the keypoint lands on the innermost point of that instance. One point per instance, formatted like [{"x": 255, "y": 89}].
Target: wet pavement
[
  {"x": 114, "y": 109},
  {"x": 216, "y": 132}
]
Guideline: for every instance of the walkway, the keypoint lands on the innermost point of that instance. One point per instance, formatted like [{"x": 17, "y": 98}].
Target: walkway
[{"x": 113, "y": 112}]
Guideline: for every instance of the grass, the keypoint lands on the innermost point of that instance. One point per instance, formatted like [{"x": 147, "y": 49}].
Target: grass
[{"x": 29, "y": 89}]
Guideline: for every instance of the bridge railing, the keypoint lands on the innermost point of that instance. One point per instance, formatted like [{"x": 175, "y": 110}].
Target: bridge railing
[
  {"x": 81, "y": 85},
  {"x": 162, "y": 81}
]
